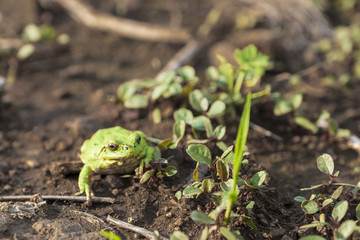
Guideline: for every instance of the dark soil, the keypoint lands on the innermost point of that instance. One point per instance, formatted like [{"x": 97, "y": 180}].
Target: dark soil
[{"x": 61, "y": 97}]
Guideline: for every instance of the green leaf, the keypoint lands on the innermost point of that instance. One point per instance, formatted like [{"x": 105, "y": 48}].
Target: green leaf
[
  {"x": 110, "y": 235},
  {"x": 247, "y": 221},
  {"x": 48, "y": 33},
  {"x": 310, "y": 207},
  {"x": 25, "y": 51},
  {"x": 212, "y": 73},
  {"x": 314, "y": 224},
  {"x": 345, "y": 230},
  {"x": 178, "y": 195},
  {"x": 204, "y": 233},
  {"x": 250, "y": 207},
  {"x": 172, "y": 90},
  {"x": 327, "y": 202},
  {"x": 299, "y": 199},
  {"x": 196, "y": 173},
  {"x": 228, "y": 234},
  {"x": 183, "y": 114},
  {"x": 258, "y": 179},
  {"x": 177, "y": 235},
  {"x": 241, "y": 137},
  {"x": 179, "y": 129},
  {"x": 337, "y": 193},
  {"x": 147, "y": 175},
  {"x": 187, "y": 72},
  {"x": 200, "y": 123},
  {"x": 158, "y": 91},
  {"x": 156, "y": 114},
  {"x": 358, "y": 211},
  {"x": 191, "y": 191},
  {"x": 306, "y": 123},
  {"x": 325, "y": 164},
  {"x": 312, "y": 237},
  {"x": 202, "y": 217},
  {"x": 296, "y": 100},
  {"x": 136, "y": 101},
  {"x": 340, "y": 210},
  {"x": 312, "y": 187},
  {"x": 31, "y": 33},
  {"x": 195, "y": 98},
  {"x": 199, "y": 153},
  {"x": 283, "y": 107},
  {"x": 207, "y": 185},
  {"x": 170, "y": 171},
  {"x": 219, "y": 132},
  {"x": 165, "y": 78},
  {"x": 227, "y": 152},
  {"x": 222, "y": 170},
  {"x": 217, "y": 109}
]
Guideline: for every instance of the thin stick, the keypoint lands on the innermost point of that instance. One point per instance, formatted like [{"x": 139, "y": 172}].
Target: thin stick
[
  {"x": 128, "y": 226},
  {"x": 265, "y": 131},
  {"x": 54, "y": 197},
  {"x": 11, "y": 43},
  {"x": 181, "y": 57},
  {"x": 125, "y": 27}
]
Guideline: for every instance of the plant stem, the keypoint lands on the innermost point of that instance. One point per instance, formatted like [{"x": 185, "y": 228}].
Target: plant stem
[
  {"x": 239, "y": 82},
  {"x": 238, "y": 155}
]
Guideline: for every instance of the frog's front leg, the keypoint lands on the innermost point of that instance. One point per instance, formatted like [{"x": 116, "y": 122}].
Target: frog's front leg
[
  {"x": 148, "y": 158},
  {"x": 84, "y": 183}
]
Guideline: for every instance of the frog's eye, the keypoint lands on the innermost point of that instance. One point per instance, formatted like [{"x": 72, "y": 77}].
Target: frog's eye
[
  {"x": 112, "y": 146},
  {"x": 125, "y": 147},
  {"x": 138, "y": 139}
]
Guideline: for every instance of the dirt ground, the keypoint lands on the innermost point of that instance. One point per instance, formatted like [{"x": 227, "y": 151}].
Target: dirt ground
[{"x": 61, "y": 97}]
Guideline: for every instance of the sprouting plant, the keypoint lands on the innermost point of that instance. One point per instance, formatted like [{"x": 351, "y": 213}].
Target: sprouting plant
[
  {"x": 222, "y": 190},
  {"x": 139, "y": 92},
  {"x": 322, "y": 203}
]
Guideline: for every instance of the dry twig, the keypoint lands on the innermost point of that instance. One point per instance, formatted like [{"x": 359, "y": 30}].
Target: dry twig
[
  {"x": 125, "y": 27},
  {"x": 128, "y": 226},
  {"x": 55, "y": 197},
  {"x": 181, "y": 57}
]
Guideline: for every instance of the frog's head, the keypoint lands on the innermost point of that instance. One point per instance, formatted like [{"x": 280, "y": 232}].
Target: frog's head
[{"x": 118, "y": 150}]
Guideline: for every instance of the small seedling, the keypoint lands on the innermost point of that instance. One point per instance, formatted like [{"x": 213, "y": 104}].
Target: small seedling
[{"x": 322, "y": 203}]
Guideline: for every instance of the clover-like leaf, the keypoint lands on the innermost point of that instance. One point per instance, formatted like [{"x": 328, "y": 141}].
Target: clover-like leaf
[
  {"x": 219, "y": 132},
  {"x": 310, "y": 207},
  {"x": 230, "y": 235},
  {"x": 217, "y": 109},
  {"x": 202, "y": 217},
  {"x": 296, "y": 100},
  {"x": 312, "y": 237},
  {"x": 177, "y": 235},
  {"x": 222, "y": 170},
  {"x": 200, "y": 123},
  {"x": 340, "y": 210},
  {"x": 227, "y": 152},
  {"x": 200, "y": 153},
  {"x": 358, "y": 211},
  {"x": 187, "y": 72},
  {"x": 345, "y": 230},
  {"x": 195, "y": 98},
  {"x": 191, "y": 191},
  {"x": 325, "y": 163},
  {"x": 212, "y": 73},
  {"x": 283, "y": 107},
  {"x": 337, "y": 193},
  {"x": 136, "y": 101},
  {"x": 183, "y": 114},
  {"x": 299, "y": 199},
  {"x": 147, "y": 175},
  {"x": 258, "y": 179},
  {"x": 170, "y": 171},
  {"x": 306, "y": 123},
  {"x": 25, "y": 51},
  {"x": 207, "y": 185}
]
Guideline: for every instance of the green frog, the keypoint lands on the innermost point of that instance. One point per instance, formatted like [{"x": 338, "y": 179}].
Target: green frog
[{"x": 113, "y": 151}]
